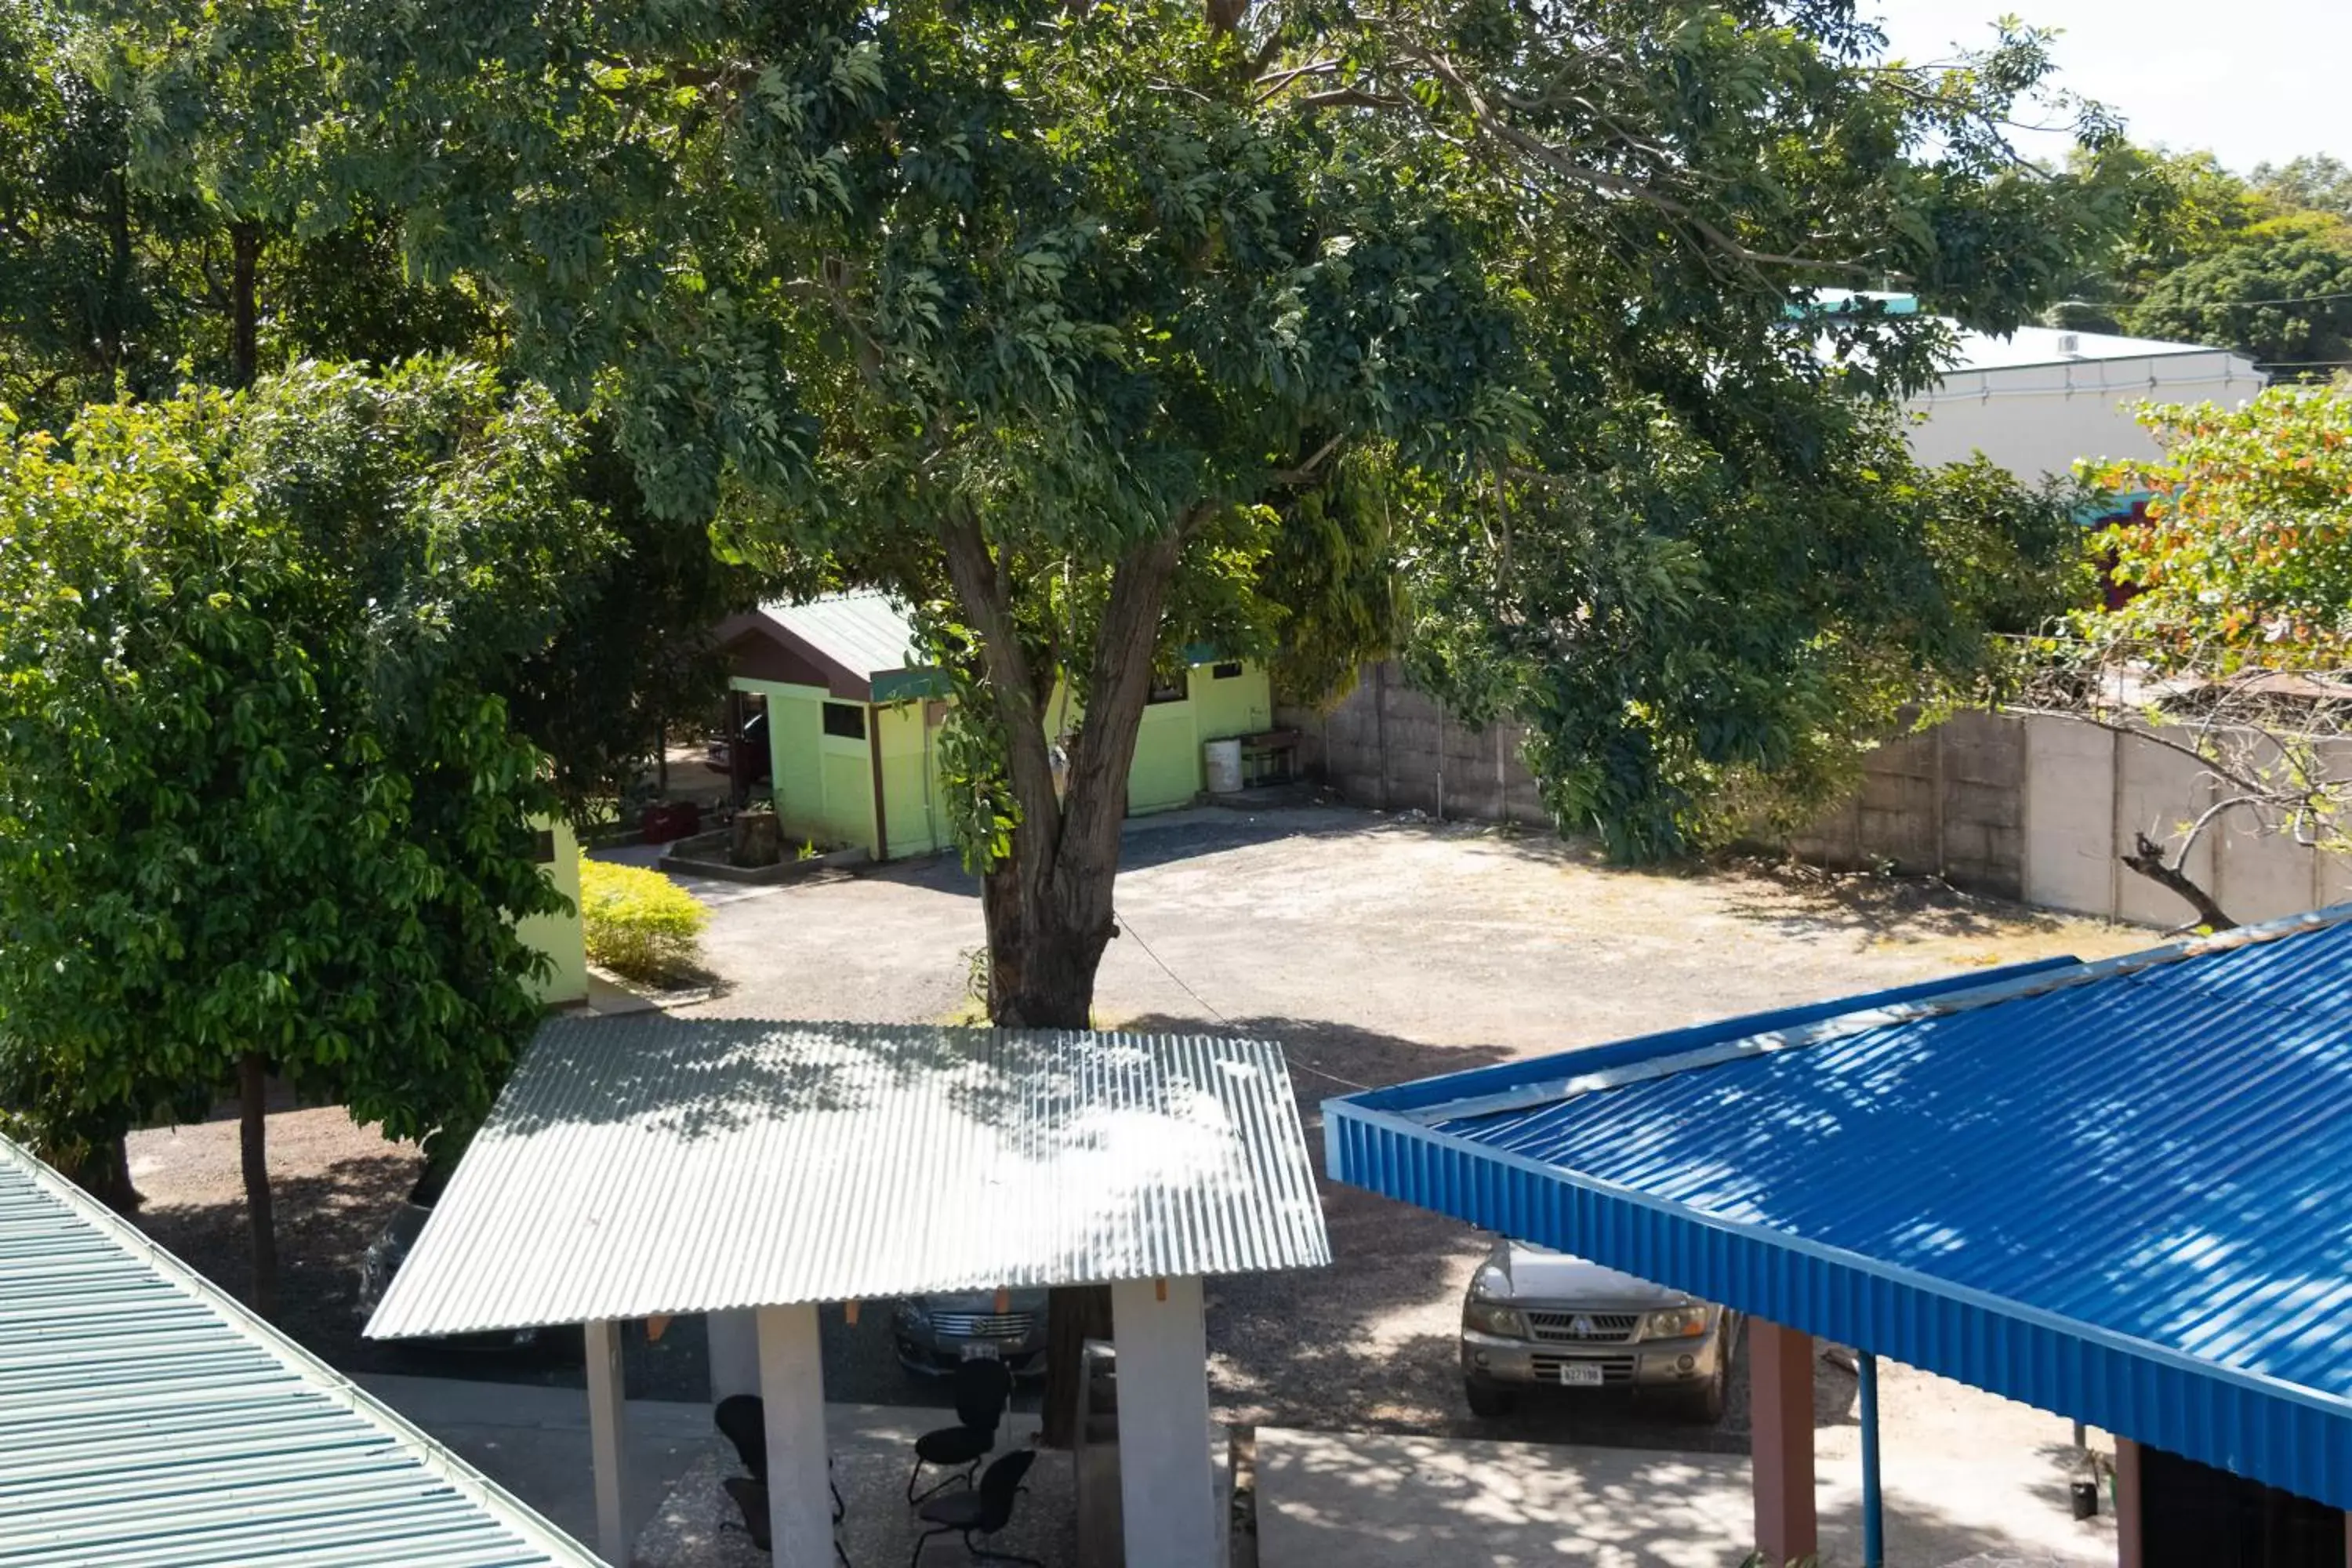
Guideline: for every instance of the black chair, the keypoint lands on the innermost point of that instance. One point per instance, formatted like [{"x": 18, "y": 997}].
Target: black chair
[
  {"x": 752, "y": 1501},
  {"x": 983, "y": 1388},
  {"x": 743, "y": 1420},
  {"x": 982, "y": 1511}
]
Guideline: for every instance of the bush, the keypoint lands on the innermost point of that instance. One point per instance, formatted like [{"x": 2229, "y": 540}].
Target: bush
[{"x": 638, "y": 923}]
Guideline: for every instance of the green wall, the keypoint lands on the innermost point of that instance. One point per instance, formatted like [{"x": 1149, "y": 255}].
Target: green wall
[
  {"x": 559, "y": 935},
  {"x": 823, "y": 784}
]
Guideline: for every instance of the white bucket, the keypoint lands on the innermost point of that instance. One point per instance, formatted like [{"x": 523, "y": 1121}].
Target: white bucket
[{"x": 1223, "y": 761}]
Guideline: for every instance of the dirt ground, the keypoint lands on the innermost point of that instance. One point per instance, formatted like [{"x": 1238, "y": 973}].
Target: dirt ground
[{"x": 1375, "y": 949}]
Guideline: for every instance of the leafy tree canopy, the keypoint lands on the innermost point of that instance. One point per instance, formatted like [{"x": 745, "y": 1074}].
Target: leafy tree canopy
[
  {"x": 2246, "y": 556},
  {"x": 255, "y": 792},
  {"x": 2281, "y": 291},
  {"x": 2315, "y": 182}
]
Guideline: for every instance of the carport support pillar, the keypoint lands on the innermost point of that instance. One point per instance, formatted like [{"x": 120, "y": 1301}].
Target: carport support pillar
[
  {"x": 1167, "y": 1483},
  {"x": 608, "y": 1440},
  {"x": 791, "y": 1393},
  {"x": 1780, "y": 1389},
  {"x": 2130, "y": 1541},
  {"x": 734, "y": 1353},
  {"x": 1873, "y": 1524}
]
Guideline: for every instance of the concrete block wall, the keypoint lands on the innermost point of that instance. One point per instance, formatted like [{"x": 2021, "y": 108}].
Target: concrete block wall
[
  {"x": 2032, "y": 808},
  {"x": 1949, "y": 802},
  {"x": 1388, "y": 746}
]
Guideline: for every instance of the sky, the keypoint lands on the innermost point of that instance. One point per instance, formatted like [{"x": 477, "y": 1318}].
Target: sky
[{"x": 2249, "y": 80}]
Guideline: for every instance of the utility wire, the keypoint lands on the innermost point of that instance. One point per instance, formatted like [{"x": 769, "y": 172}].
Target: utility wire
[{"x": 1127, "y": 928}]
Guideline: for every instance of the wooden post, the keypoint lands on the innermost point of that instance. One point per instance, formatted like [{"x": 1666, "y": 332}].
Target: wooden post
[
  {"x": 1166, "y": 1481},
  {"x": 791, "y": 1393},
  {"x": 1781, "y": 1424},
  {"x": 734, "y": 1348},
  {"x": 2129, "y": 1541},
  {"x": 608, "y": 1441}
]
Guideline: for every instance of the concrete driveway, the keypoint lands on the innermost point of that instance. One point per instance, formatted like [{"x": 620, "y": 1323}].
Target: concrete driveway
[{"x": 1376, "y": 950}]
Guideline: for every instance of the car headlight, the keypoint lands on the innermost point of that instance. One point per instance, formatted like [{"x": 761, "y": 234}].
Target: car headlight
[
  {"x": 1494, "y": 1318},
  {"x": 1674, "y": 1324},
  {"x": 910, "y": 1315}
]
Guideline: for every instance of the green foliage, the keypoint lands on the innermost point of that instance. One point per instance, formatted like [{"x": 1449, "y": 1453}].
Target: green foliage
[
  {"x": 2281, "y": 291},
  {"x": 255, "y": 792},
  {"x": 2312, "y": 183},
  {"x": 2246, "y": 556},
  {"x": 639, "y": 923}
]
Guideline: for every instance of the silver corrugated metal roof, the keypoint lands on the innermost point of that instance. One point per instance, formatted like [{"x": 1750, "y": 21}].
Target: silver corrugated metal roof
[
  {"x": 650, "y": 1164},
  {"x": 864, "y": 633},
  {"x": 145, "y": 1418}
]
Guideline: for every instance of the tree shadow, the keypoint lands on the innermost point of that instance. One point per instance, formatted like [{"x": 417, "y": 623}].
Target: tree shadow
[
  {"x": 1796, "y": 900},
  {"x": 324, "y": 1223}
]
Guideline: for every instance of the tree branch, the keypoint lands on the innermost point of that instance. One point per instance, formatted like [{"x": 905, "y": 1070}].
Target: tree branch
[
  {"x": 980, "y": 591},
  {"x": 2148, "y": 860}
]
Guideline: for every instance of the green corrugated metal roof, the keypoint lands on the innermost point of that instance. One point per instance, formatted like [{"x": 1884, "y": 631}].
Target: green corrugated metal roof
[
  {"x": 866, "y": 634},
  {"x": 147, "y": 1419}
]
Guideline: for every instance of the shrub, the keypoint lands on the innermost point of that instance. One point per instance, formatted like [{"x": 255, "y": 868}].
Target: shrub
[{"x": 638, "y": 923}]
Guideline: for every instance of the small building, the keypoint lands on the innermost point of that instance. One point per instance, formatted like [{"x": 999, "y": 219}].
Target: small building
[
  {"x": 147, "y": 1417},
  {"x": 561, "y": 936},
  {"x": 2040, "y": 399},
  {"x": 2113, "y": 1191},
  {"x": 852, "y": 718},
  {"x": 647, "y": 1165}
]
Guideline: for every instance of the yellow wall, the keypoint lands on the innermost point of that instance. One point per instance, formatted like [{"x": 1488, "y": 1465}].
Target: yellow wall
[
  {"x": 559, "y": 935},
  {"x": 1238, "y": 705}
]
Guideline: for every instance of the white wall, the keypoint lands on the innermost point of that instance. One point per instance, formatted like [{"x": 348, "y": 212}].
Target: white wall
[
  {"x": 2043, "y": 419},
  {"x": 2088, "y": 792}
]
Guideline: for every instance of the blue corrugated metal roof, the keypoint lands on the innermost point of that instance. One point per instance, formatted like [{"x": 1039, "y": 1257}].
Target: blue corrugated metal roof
[
  {"x": 146, "y": 1419},
  {"x": 2114, "y": 1189}
]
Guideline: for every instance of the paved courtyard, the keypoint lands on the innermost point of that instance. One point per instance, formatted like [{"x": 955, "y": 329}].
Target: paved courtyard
[{"x": 1377, "y": 949}]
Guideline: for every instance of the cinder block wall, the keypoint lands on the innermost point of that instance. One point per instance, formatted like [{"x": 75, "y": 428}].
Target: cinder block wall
[
  {"x": 1949, "y": 802},
  {"x": 2014, "y": 808},
  {"x": 1389, "y": 747}
]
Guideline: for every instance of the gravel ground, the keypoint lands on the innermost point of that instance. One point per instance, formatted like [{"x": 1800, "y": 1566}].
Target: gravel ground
[{"x": 1376, "y": 949}]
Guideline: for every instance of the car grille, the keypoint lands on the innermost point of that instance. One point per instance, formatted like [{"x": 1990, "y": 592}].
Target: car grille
[
  {"x": 1583, "y": 1328},
  {"x": 1615, "y": 1368},
  {"x": 983, "y": 1325}
]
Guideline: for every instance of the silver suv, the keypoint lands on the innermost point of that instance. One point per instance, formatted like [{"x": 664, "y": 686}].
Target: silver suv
[{"x": 1536, "y": 1319}]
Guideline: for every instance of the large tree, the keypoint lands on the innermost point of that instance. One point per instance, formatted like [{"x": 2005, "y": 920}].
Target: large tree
[
  {"x": 261, "y": 810},
  {"x": 2281, "y": 290},
  {"x": 1062, "y": 321}
]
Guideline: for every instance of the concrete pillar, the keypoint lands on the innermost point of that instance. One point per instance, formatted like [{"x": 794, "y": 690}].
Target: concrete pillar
[
  {"x": 734, "y": 1338},
  {"x": 2129, "y": 1540},
  {"x": 1167, "y": 1484},
  {"x": 608, "y": 1441},
  {"x": 1781, "y": 1421},
  {"x": 791, "y": 1391}
]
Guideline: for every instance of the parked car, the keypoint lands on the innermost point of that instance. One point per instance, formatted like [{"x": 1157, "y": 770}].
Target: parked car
[
  {"x": 390, "y": 1248},
  {"x": 935, "y": 1334},
  {"x": 1535, "y": 1320}
]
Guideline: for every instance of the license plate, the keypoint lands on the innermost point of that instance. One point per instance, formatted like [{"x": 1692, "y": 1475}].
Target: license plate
[
  {"x": 1580, "y": 1375},
  {"x": 982, "y": 1350}
]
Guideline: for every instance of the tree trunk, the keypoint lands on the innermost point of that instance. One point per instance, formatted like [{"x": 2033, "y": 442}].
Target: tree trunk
[
  {"x": 243, "y": 303},
  {"x": 104, "y": 1173},
  {"x": 252, "y": 1087},
  {"x": 1048, "y": 904},
  {"x": 2147, "y": 859}
]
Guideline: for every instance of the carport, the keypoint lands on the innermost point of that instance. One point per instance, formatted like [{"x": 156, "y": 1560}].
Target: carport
[
  {"x": 2114, "y": 1191},
  {"x": 646, "y": 1167}
]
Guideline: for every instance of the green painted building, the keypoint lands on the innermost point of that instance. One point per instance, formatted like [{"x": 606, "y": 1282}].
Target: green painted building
[{"x": 853, "y": 722}]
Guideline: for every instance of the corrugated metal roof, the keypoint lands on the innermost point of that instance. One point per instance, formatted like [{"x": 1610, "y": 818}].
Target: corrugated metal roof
[
  {"x": 145, "y": 1418},
  {"x": 649, "y": 1164},
  {"x": 867, "y": 634},
  {"x": 2114, "y": 1191}
]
